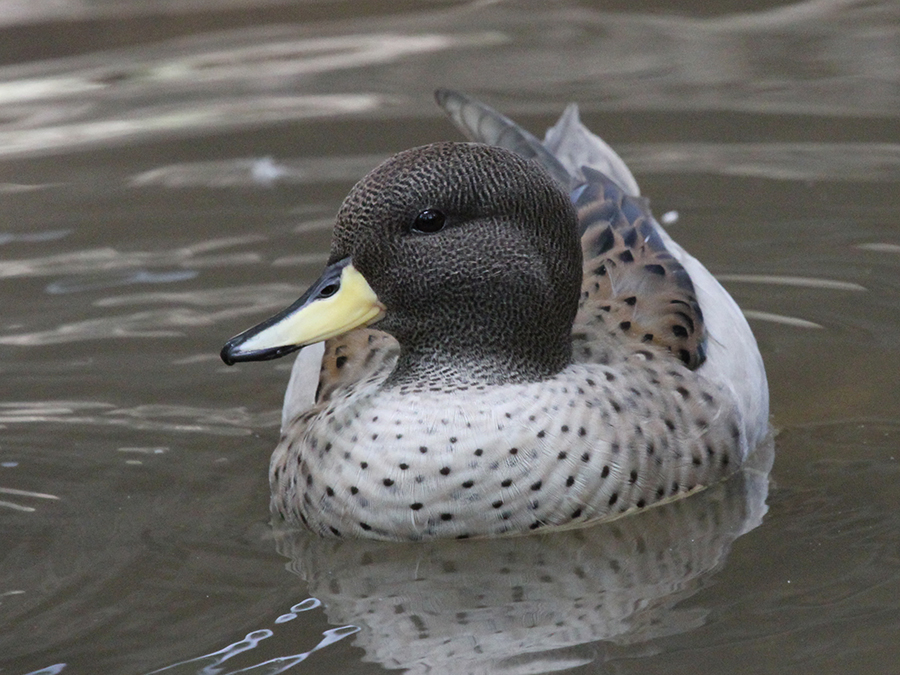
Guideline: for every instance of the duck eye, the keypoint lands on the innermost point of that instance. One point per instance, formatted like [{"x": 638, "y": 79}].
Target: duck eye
[
  {"x": 329, "y": 290},
  {"x": 429, "y": 221}
]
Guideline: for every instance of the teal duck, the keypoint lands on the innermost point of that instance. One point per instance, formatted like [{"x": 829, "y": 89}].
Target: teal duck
[{"x": 541, "y": 354}]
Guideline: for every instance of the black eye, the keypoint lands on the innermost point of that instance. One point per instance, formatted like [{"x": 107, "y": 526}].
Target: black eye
[
  {"x": 429, "y": 221},
  {"x": 329, "y": 290}
]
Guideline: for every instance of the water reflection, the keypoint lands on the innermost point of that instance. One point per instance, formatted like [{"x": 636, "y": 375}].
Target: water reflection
[
  {"x": 165, "y": 418},
  {"x": 211, "y": 664},
  {"x": 775, "y": 161},
  {"x": 823, "y": 57},
  {"x": 27, "y": 494},
  {"x": 229, "y": 173},
  {"x": 536, "y": 603}
]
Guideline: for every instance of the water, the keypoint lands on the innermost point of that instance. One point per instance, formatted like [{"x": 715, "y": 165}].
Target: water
[{"x": 167, "y": 178}]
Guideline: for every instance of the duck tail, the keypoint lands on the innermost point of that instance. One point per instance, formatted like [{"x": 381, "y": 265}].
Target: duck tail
[{"x": 574, "y": 146}]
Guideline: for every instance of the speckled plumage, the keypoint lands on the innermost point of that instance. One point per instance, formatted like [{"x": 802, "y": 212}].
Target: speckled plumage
[{"x": 515, "y": 402}]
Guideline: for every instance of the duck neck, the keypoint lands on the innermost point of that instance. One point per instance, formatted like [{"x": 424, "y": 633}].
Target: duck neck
[{"x": 429, "y": 367}]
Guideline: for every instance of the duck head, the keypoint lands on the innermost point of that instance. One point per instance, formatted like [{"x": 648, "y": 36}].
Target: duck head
[{"x": 467, "y": 254}]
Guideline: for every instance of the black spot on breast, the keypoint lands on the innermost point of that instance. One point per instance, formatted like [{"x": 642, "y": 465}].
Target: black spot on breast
[
  {"x": 469, "y": 483},
  {"x": 497, "y": 504},
  {"x": 605, "y": 472},
  {"x": 340, "y": 361},
  {"x": 446, "y": 516},
  {"x": 570, "y": 481},
  {"x": 626, "y": 257},
  {"x": 445, "y": 471},
  {"x": 387, "y": 482},
  {"x": 604, "y": 242},
  {"x": 365, "y": 526},
  {"x": 625, "y": 325},
  {"x": 506, "y": 483},
  {"x": 630, "y": 301},
  {"x": 416, "y": 506},
  {"x": 536, "y": 486},
  {"x": 613, "y": 498},
  {"x": 688, "y": 320}
]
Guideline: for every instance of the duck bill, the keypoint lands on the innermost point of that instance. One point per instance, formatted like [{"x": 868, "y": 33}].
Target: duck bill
[{"x": 339, "y": 301}]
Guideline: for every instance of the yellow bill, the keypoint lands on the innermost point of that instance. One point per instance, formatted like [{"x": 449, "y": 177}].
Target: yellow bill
[{"x": 339, "y": 301}]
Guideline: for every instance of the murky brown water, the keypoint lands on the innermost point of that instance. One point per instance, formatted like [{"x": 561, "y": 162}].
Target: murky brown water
[{"x": 168, "y": 179}]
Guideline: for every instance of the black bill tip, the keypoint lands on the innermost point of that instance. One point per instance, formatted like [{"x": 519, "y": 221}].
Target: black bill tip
[{"x": 231, "y": 353}]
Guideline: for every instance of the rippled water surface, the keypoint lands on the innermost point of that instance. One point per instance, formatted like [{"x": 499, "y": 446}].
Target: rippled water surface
[{"x": 168, "y": 175}]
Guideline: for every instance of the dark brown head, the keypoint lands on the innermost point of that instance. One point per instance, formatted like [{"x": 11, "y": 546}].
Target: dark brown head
[
  {"x": 466, "y": 253},
  {"x": 473, "y": 252}
]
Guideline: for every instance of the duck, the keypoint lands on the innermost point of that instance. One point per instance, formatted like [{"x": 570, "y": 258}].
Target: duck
[{"x": 504, "y": 341}]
